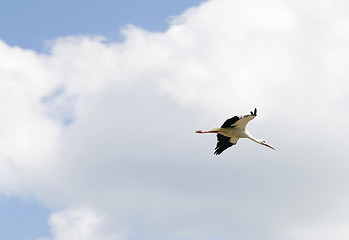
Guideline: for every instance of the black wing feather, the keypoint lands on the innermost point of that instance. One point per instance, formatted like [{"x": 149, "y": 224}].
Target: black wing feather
[
  {"x": 254, "y": 113},
  {"x": 230, "y": 122},
  {"x": 223, "y": 143}
]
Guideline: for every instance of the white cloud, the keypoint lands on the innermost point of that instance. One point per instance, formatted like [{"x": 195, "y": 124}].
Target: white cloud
[
  {"x": 130, "y": 152},
  {"x": 78, "y": 224}
]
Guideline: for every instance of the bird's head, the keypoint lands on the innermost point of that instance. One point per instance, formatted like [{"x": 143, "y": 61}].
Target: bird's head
[{"x": 263, "y": 142}]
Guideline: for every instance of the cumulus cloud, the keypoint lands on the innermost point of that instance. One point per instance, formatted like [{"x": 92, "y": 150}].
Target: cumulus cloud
[
  {"x": 99, "y": 128},
  {"x": 77, "y": 223}
]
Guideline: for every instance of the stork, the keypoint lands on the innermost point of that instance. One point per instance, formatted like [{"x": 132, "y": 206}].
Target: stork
[{"x": 233, "y": 129}]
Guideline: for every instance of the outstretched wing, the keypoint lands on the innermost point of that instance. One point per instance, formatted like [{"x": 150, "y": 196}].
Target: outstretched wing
[
  {"x": 238, "y": 122},
  {"x": 223, "y": 143},
  {"x": 241, "y": 121},
  {"x": 229, "y": 122}
]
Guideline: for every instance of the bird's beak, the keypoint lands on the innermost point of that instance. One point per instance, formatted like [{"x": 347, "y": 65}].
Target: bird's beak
[{"x": 269, "y": 146}]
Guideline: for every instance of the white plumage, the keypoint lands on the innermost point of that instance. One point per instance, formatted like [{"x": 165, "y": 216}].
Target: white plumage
[{"x": 233, "y": 129}]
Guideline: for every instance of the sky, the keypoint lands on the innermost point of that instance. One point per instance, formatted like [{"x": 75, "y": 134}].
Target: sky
[
  {"x": 100, "y": 103},
  {"x": 29, "y": 24}
]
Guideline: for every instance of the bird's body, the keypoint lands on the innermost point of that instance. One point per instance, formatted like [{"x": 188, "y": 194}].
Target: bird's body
[
  {"x": 233, "y": 133},
  {"x": 233, "y": 129}
]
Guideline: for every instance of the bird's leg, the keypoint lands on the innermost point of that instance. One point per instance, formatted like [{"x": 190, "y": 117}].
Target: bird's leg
[{"x": 200, "y": 131}]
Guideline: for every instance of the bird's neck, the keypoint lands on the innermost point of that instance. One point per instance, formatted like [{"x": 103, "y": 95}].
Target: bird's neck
[{"x": 253, "y": 138}]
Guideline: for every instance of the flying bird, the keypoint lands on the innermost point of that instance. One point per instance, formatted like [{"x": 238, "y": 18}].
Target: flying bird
[{"x": 233, "y": 129}]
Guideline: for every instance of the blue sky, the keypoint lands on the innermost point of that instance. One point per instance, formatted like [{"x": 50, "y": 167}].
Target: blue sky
[
  {"x": 28, "y": 24},
  {"x": 22, "y": 219},
  {"x": 98, "y": 136}
]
